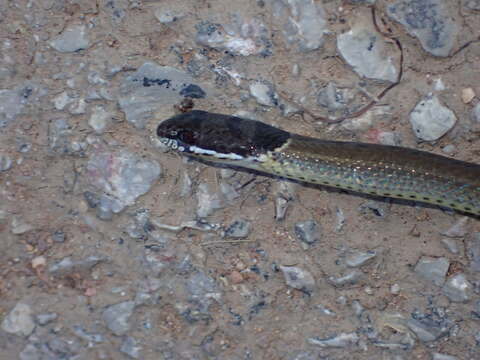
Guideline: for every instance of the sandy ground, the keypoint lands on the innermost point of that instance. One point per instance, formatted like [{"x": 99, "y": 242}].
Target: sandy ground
[{"x": 195, "y": 292}]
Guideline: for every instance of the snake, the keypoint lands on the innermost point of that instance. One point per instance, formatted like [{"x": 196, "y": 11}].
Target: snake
[{"x": 367, "y": 168}]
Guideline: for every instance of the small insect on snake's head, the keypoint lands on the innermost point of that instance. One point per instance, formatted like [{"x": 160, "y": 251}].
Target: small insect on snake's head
[{"x": 218, "y": 137}]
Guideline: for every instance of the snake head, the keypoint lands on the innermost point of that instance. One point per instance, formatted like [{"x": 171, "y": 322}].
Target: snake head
[{"x": 219, "y": 137}]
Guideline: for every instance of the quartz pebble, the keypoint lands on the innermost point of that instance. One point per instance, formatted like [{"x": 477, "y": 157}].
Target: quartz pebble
[
  {"x": 468, "y": 94},
  {"x": 431, "y": 120},
  {"x": 458, "y": 288},
  {"x": 72, "y": 39},
  {"x": 19, "y": 320}
]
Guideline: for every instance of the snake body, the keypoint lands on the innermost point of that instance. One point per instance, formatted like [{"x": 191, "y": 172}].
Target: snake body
[{"x": 389, "y": 171}]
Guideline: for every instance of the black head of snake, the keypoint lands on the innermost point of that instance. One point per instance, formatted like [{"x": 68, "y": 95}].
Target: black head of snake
[{"x": 223, "y": 137}]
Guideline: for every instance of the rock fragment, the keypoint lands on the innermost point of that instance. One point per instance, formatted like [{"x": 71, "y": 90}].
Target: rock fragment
[
  {"x": 116, "y": 317},
  {"x": 431, "y": 120},
  {"x": 308, "y": 231},
  {"x": 19, "y": 320},
  {"x": 341, "y": 340},
  {"x": 428, "y": 20},
  {"x": 432, "y": 269},
  {"x": 72, "y": 39},
  {"x": 458, "y": 288},
  {"x": 298, "y": 278}
]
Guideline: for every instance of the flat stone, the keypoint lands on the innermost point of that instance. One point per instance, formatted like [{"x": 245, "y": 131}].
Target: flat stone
[
  {"x": 431, "y": 120},
  {"x": 72, "y": 39},
  {"x": 264, "y": 93},
  {"x": 152, "y": 87},
  {"x": 366, "y": 51},
  {"x": 341, "y": 340},
  {"x": 425, "y": 332},
  {"x": 117, "y": 316},
  {"x": 308, "y": 231},
  {"x": 457, "y": 288},
  {"x": 432, "y": 269},
  {"x": 303, "y": 22},
  {"x": 428, "y": 20},
  {"x": 298, "y": 278},
  {"x": 19, "y": 321},
  {"x": 239, "y": 229},
  {"x": 99, "y": 119},
  {"x": 359, "y": 258}
]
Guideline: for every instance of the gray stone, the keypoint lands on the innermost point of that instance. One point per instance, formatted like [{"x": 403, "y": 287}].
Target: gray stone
[
  {"x": 20, "y": 226},
  {"x": 68, "y": 266},
  {"x": 457, "y": 288},
  {"x": 473, "y": 251},
  {"x": 333, "y": 98},
  {"x": 350, "y": 278},
  {"x": 433, "y": 270},
  {"x": 207, "y": 202},
  {"x": 239, "y": 229},
  {"x": 298, "y": 278},
  {"x": 62, "y": 100},
  {"x": 59, "y": 133},
  {"x": 431, "y": 120},
  {"x": 451, "y": 245},
  {"x": 244, "y": 38},
  {"x": 458, "y": 229},
  {"x": 304, "y": 23},
  {"x": 10, "y": 106},
  {"x": 476, "y": 113},
  {"x": 428, "y": 20},
  {"x": 5, "y": 162},
  {"x": 85, "y": 335},
  {"x": 439, "y": 356},
  {"x": 131, "y": 348},
  {"x": 341, "y": 340},
  {"x": 426, "y": 332},
  {"x": 73, "y": 38},
  {"x": 30, "y": 352},
  {"x": 116, "y": 317},
  {"x": 201, "y": 290},
  {"x": 122, "y": 176},
  {"x": 472, "y": 4},
  {"x": 308, "y": 231},
  {"x": 19, "y": 320},
  {"x": 264, "y": 93},
  {"x": 359, "y": 258},
  {"x": 152, "y": 87},
  {"x": 47, "y": 318},
  {"x": 366, "y": 51},
  {"x": 100, "y": 119},
  {"x": 377, "y": 208}
]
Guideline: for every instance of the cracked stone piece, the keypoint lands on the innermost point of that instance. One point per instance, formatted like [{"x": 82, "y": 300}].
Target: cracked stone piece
[
  {"x": 264, "y": 93},
  {"x": 73, "y": 38},
  {"x": 350, "y": 278},
  {"x": 432, "y": 269},
  {"x": 239, "y": 229},
  {"x": 122, "y": 176},
  {"x": 426, "y": 332},
  {"x": 304, "y": 23},
  {"x": 19, "y": 320},
  {"x": 341, "y": 340},
  {"x": 308, "y": 231},
  {"x": 298, "y": 278},
  {"x": 431, "y": 120},
  {"x": 149, "y": 89},
  {"x": 365, "y": 50},
  {"x": 428, "y": 20},
  {"x": 116, "y": 317},
  {"x": 359, "y": 258},
  {"x": 457, "y": 288}
]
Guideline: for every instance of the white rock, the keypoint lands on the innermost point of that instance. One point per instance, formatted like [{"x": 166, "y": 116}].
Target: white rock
[
  {"x": 72, "y": 39},
  {"x": 431, "y": 120},
  {"x": 19, "y": 320},
  {"x": 365, "y": 50},
  {"x": 99, "y": 119},
  {"x": 263, "y": 93}
]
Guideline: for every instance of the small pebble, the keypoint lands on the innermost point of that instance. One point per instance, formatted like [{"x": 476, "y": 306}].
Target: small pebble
[
  {"x": 341, "y": 340},
  {"x": 116, "y": 317},
  {"x": 350, "y": 278},
  {"x": 131, "y": 348},
  {"x": 468, "y": 94},
  {"x": 264, "y": 93},
  {"x": 308, "y": 231},
  {"x": 476, "y": 113},
  {"x": 239, "y": 229},
  {"x": 359, "y": 258},
  {"x": 19, "y": 320},
  {"x": 44, "y": 319},
  {"x": 395, "y": 289},
  {"x": 457, "y": 288},
  {"x": 458, "y": 229},
  {"x": 432, "y": 269},
  {"x": 298, "y": 278},
  {"x": 449, "y": 149},
  {"x": 39, "y": 261},
  {"x": 5, "y": 162},
  {"x": 451, "y": 245},
  {"x": 72, "y": 39}
]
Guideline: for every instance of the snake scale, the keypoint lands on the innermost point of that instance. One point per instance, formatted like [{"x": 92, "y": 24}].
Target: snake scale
[{"x": 388, "y": 171}]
